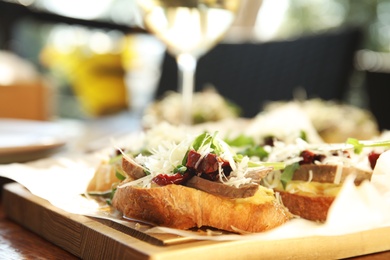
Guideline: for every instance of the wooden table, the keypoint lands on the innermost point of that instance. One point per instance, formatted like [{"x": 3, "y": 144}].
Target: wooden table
[{"x": 17, "y": 242}]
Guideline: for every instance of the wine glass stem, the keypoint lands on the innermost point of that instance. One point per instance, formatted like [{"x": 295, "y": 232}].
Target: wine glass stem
[{"x": 187, "y": 67}]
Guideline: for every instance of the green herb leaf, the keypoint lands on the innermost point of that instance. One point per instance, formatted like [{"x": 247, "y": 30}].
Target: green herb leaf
[
  {"x": 201, "y": 140},
  {"x": 120, "y": 175},
  {"x": 207, "y": 139},
  {"x": 180, "y": 169},
  {"x": 275, "y": 165},
  {"x": 258, "y": 151},
  {"x": 144, "y": 152},
  {"x": 359, "y": 145},
  {"x": 109, "y": 200},
  {"x": 240, "y": 141},
  {"x": 216, "y": 145},
  {"x": 303, "y": 135},
  {"x": 288, "y": 173},
  {"x": 105, "y": 194},
  {"x": 146, "y": 172},
  {"x": 115, "y": 159}
]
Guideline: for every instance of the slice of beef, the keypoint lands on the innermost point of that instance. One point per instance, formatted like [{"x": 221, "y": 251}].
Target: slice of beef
[
  {"x": 220, "y": 189},
  {"x": 326, "y": 173},
  {"x": 258, "y": 174},
  {"x": 132, "y": 168}
]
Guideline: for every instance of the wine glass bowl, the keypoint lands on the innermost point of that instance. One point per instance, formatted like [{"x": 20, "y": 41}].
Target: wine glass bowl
[
  {"x": 188, "y": 26},
  {"x": 189, "y": 29}
]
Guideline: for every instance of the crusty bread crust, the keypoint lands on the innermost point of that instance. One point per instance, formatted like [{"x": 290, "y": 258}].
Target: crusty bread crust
[
  {"x": 308, "y": 207},
  {"x": 181, "y": 207}
]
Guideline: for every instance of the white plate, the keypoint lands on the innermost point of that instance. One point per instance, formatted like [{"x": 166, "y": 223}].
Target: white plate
[{"x": 25, "y": 140}]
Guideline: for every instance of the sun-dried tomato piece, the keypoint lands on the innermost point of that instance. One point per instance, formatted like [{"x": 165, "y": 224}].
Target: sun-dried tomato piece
[
  {"x": 372, "y": 158},
  {"x": 177, "y": 178},
  {"x": 192, "y": 158},
  {"x": 310, "y": 157},
  {"x": 208, "y": 164},
  {"x": 269, "y": 140}
]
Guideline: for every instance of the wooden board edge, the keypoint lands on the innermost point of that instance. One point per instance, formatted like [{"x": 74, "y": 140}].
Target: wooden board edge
[
  {"x": 79, "y": 235},
  {"x": 90, "y": 239}
]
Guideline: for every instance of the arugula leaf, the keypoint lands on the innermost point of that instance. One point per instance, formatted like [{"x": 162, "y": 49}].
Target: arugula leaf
[
  {"x": 185, "y": 158},
  {"x": 108, "y": 195},
  {"x": 120, "y": 176},
  {"x": 359, "y": 145},
  {"x": 258, "y": 151},
  {"x": 144, "y": 152},
  {"x": 303, "y": 135},
  {"x": 198, "y": 118},
  {"x": 115, "y": 159},
  {"x": 105, "y": 194},
  {"x": 201, "y": 140},
  {"x": 275, "y": 165},
  {"x": 109, "y": 200},
  {"x": 207, "y": 139},
  {"x": 215, "y": 144},
  {"x": 180, "y": 169},
  {"x": 147, "y": 172},
  {"x": 240, "y": 141},
  {"x": 288, "y": 173}
]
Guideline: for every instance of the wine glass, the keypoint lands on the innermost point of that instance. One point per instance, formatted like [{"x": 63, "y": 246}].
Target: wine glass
[{"x": 189, "y": 28}]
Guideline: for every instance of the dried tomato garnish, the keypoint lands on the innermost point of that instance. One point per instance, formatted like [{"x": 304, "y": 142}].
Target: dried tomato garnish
[
  {"x": 192, "y": 158},
  {"x": 372, "y": 158},
  {"x": 309, "y": 157},
  {"x": 177, "y": 178},
  {"x": 208, "y": 166},
  {"x": 269, "y": 140}
]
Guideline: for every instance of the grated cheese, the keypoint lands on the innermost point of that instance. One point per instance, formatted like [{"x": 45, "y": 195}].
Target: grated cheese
[
  {"x": 338, "y": 175},
  {"x": 310, "y": 176},
  {"x": 168, "y": 146}
]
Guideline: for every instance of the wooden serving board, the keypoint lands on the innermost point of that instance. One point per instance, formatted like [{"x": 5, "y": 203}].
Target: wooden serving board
[{"x": 91, "y": 238}]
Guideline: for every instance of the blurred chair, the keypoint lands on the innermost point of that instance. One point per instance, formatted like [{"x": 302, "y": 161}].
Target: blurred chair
[
  {"x": 251, "y": 74},
  {"x": 378, "y": 90}
]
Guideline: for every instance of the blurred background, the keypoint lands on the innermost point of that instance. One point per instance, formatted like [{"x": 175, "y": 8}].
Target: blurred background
[{"x": 92, "y": 58}]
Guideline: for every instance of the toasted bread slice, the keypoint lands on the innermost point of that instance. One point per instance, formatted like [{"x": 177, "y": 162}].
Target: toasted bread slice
[
  {"x": 312, "y": 199},
  {"x": 181, "y": 207},
  {"x": 103, "y": 178}
]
